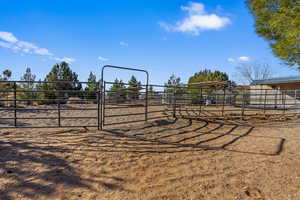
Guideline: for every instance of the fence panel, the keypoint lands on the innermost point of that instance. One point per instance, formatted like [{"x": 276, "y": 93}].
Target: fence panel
[{"x": 57, "y": 104}]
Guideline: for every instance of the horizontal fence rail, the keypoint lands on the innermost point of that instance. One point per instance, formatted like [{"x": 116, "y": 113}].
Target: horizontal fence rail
[
  {"x": 66, "y": 104},
  {"x": 49, "y": 104}
]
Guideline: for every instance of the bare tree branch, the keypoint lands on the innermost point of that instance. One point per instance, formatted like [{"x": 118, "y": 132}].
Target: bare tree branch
[{"x": 248, "y": 72}]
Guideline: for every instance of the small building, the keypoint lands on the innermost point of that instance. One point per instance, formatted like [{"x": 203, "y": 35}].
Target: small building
[{"x": 282, "y": 92}]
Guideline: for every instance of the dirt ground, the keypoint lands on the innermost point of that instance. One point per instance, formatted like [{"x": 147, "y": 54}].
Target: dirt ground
[{"x": 163, "y": 159}]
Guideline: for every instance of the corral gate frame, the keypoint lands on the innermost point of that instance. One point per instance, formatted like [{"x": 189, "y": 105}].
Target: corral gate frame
[{"x": 103, "y": 92}]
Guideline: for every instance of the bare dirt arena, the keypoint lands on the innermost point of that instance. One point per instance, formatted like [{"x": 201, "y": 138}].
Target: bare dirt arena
[{"x": 165, "y": 159}]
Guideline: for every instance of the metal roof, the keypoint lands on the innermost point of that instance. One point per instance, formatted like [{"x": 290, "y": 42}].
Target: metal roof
[{"x": 290, "y": 79}]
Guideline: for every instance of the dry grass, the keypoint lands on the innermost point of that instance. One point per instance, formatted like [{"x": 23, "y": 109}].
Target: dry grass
[{"x": 182, "y": 159}]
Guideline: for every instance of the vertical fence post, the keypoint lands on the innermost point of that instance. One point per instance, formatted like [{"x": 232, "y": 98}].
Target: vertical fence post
[
  {"x": 260, "y": 95},
  {"x": 243, "y": 102},
  {"x": 104, "y": 101},
  {"x": 295, "y": 97},
  {"x": 15, "y": 103},
  {"x": 295, "y": 101},
  {"x": 224, "y": 101},
  {"x": 174, "y": 104},
  {"x": 146, "y": 107},
  {"x": 276, "y": 96},
  {"x": 58, "y": 112},
  {"x": 284, "y": 99},
  {"x": 265, "y": 101},
  {"x": 201, "y": 102},
  {"x": 101, "y": 103},
  {"x": 98, "y": 109}
]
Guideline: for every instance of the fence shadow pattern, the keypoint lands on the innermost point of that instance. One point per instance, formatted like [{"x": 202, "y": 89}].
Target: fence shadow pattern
[
  {"x": 171, "y": 136},
  {"x": 19, "y": 158}
]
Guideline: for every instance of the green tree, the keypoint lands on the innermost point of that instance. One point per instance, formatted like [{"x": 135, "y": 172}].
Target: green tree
[
  {"x": 204, "y": 76},
  {"x": 133, "y": 83},
  {"x": 278, "y": 21},
  {"x": 6, "y": 74},
  {"x": 151, "y": 92},
  {"x": 69, "y": 81},
  {"x": 173, "y": 87},
  {"x": 208, "y": 75},
  {"x": 29, "y": 84},
  {"x": 117, "y": 93},
  {"x": 92, "y": 87},
  {"x": 173, "y": 84},
  {"x": 29, "y": 78}
]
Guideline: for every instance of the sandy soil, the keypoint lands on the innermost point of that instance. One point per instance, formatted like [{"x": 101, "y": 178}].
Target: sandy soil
[
  {"x": 166, "y": 159},
  {"x": 88, "y": 112}
]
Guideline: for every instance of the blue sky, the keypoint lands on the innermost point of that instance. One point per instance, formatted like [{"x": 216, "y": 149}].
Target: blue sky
[{"x": 163, "y": 37}]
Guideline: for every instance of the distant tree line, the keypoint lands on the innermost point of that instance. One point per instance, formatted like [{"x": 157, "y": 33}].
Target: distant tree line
[
  {"x": 60, "y": 78},
  {"x": 62, "y": 83},
  {"x": 121, "y": 92}
]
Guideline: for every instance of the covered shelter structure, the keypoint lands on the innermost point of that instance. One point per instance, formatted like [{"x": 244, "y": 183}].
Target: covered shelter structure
[{"x": 281, "y": 92}]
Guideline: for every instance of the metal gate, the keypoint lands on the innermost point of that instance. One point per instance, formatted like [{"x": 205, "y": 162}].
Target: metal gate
[
  {"x": 122, "y": 104},
  {"x": 67, "y": 104}
]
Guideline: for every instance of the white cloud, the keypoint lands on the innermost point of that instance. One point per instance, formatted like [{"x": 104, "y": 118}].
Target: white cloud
[
  {"x": 239, "y": 59},
  {"x": 124, "y": 44},
  {"x": 42, "y": 51},
  {"x": 5, "y": 44},
  {"x": 231, "y": 60},
  {"x": 193, "y": 8},
  {"x": 102, "y": 59},
  {"x": 196, "y": 20},
  {"x": 244, "y": 59},
  {"x": 23, "y": 47},
  {"x": 30, "y": 48},
  {"x": 8, "y": 37},
  {"x": 66, "y": 59}
]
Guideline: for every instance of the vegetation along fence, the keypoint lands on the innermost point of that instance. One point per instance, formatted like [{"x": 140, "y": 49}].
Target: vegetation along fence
[{"x": 66, "y": 104}]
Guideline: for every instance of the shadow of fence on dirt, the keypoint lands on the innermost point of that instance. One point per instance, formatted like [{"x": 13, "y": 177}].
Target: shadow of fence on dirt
[
  {"x": 18, "y": 162},
  {"x": 33, "y": 171},
  {"x": 191, "y": 136},
  {"x": 166, "y": 136},
  {"x": 34, "y": 168}
]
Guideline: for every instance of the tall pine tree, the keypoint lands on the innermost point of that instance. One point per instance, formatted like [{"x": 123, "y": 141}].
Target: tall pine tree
[
  {"x": 278, "y": 21},
  {"x": 62, "y": 78}
]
